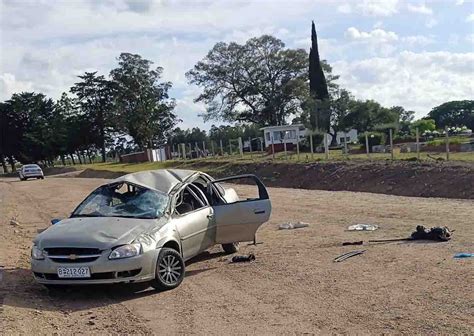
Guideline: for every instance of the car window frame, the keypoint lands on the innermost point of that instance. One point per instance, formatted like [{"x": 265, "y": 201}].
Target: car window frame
[{"x": 205, "y": 205}]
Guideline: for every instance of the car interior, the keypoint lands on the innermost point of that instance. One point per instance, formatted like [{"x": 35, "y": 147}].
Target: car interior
[{"x": 195, "y": 196}]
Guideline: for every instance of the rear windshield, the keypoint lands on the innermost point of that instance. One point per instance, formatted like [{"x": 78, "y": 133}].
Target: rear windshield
[
  {"x": 31, "y": 166},
  {"x": 123, "y": 200}
]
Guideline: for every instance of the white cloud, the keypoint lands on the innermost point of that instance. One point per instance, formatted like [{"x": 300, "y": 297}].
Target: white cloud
[
  {"x": 470, "y": 17},
  {"x": 10, "y": 85},
  {"x": 459, "y": 2},
  {"x": 344, "y": 8},
  {"x": 431, "y": 22},
  {"x": 374, "y": 36},
  {"x": 378, "y": 7},
  {"x": 470, "y": 38},
  {"x": 417, "y": 81},
  {"x": 421, "y": 9},
  {"x": 418, "y": 40}
]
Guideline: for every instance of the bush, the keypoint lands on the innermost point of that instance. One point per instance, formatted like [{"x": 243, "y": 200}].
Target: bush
[{"x": 375, "y": 138}]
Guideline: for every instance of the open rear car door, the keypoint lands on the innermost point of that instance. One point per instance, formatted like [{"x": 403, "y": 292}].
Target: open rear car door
[{"x": 237, "y": 220}]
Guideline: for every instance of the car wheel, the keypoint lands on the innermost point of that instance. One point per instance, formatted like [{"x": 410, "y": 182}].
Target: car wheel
[
  {"x": 42, "y": 177},
  {"x": 230, "y": 248},
  {"x": 169, "y": 271}
]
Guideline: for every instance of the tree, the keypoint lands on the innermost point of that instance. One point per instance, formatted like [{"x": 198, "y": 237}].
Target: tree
[
  {"x": 145, "y": 110},
  {"x": 423, "y": 125},
  {"x": 317, "y": 86},
  {"x": 369, "y": 115},
  {"x": 31, "y": 130},
  {"x": 95, "y": 97},
  {"x": 405, "y": 118},
  {"x": 259, "y": 82},
  {"x": 454, "y": 113},
  {"x": 340, "y": 106},
  {"x": 7, "y": 136}
]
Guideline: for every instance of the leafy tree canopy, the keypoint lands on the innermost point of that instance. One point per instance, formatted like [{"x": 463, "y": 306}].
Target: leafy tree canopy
[
  {"x": 145, "y": 110},
  {"x": 454, "y": 113},
  {"x": 260, "y": 81}
]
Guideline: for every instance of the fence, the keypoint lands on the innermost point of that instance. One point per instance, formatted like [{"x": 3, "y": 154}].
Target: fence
[{"x": 441, "y": 148}]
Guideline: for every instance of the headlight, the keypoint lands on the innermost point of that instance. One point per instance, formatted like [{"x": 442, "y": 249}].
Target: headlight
[
  {"x": 126, "y": 251},
  {"x": 37, "y": 253}
]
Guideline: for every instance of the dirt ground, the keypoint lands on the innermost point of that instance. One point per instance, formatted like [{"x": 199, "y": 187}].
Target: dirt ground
[{"x": 293, "y": 287}]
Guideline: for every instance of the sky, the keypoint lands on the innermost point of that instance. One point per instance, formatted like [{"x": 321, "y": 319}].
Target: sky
[{"x": 416, "y": 54}]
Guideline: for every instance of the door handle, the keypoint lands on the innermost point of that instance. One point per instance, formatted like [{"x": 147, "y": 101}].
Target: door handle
[{"x": 258, "y": 211}]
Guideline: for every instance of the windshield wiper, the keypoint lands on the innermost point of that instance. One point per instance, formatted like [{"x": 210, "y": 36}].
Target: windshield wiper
[{"x": 87, "y": 215}]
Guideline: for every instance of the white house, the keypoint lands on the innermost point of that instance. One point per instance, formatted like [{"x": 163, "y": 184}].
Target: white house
[
  {"x": 285, "y": 134},
  {"x": 349, "y": 136}
]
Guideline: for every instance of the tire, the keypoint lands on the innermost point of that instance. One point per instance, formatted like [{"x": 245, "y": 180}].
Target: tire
[
  {"x": 42, "y": 177},
  {"x": 230, "y": 248},
  {"x": 169, "y": 270}
]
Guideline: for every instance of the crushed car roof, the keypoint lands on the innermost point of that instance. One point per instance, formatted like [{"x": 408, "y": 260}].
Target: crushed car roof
[{"x": 163, "y": 180}]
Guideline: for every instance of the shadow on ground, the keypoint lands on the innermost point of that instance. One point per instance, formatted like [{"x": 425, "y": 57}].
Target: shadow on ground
[{"x": 18, "y": 289}]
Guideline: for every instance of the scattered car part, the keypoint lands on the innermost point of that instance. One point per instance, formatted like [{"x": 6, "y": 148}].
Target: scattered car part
[
  {"x": 291, "y": 226},
  {"x": 243, "y": 258},
  {"x": 353, "y": 243},
  {"x": 463, "y": 255},
  {"x": 363, "y": 227},
  {"x": 436, "y": 234},
  {"x": 347, "y": 255}
]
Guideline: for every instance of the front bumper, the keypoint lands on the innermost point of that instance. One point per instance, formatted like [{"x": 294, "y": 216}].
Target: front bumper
[
  {"x": 32, "y": 175},
  {"x": 103, "y": 271}
]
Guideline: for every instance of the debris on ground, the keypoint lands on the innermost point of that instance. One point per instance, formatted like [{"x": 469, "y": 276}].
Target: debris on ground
[
  {"x": 347, "y": 255},
  {"x": 363, "y": 227},
  {"x": 360, "y": 242},
  {"x": 14, "y": 222},
  {"x": 290, "y": 225},
  {"x": 463, "y": 255},
  {"x": 436, "y": 233},
  {"x": 243, "y": 258},
  {"x": 439, "y": 234}
]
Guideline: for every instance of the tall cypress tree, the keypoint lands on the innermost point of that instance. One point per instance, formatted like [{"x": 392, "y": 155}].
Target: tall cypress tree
[{"x": 317, "y": 85}]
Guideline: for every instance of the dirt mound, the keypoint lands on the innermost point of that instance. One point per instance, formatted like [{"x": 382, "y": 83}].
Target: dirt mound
[
  {"x": 105, "y": 174},
  {"x": 395, "y": 178}
]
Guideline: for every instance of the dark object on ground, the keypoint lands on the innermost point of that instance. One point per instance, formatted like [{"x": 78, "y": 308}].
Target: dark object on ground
[
  {"x": 436, "y": 233},
  {"x": 463, "y": 255},
  {"x": 348, "y": 255},
  {"x": 353, "y": 243},
  {"x": 243, "y": 258},
  {"x": 439, "y": 234}
]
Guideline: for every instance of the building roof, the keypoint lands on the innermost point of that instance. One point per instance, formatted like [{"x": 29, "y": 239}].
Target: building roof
[
  {"x": 163, "y": 180},
  {"x": 282, "y": 127}
]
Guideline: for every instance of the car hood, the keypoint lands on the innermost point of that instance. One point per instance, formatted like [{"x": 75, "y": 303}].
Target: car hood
[{"x": 95, "y": 232}]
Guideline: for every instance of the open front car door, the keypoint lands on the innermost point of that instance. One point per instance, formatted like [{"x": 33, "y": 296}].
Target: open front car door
[{"x": 237, "y": 220}]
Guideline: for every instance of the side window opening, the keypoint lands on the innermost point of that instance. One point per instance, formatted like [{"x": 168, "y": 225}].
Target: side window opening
[{"x": 188, "y": 201}]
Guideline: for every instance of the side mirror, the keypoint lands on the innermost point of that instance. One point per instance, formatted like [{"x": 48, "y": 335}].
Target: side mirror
[{"x": 55, "y": 220}]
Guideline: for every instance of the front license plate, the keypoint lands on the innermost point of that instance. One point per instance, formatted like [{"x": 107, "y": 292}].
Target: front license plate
[{"x": 74, "y": 272}]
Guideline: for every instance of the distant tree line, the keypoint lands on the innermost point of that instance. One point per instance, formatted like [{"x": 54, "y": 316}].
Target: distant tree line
[
  {"x": 251, "y": 85},
  {"x": 129, "y": 109}
]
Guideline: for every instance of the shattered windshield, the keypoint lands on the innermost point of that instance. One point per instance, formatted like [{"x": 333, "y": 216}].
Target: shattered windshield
[{"x": 123, "y": 200}]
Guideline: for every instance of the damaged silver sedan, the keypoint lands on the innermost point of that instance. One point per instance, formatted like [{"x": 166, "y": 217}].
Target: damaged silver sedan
[{"x": 144, "y": 226}]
